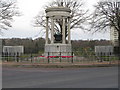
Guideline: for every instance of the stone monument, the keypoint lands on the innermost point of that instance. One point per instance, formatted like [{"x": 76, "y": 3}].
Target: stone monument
[{"x": 60, "y": 42}]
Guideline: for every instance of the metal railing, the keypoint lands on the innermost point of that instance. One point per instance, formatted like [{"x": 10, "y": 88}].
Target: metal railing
[{"x": 76, "y": 57}]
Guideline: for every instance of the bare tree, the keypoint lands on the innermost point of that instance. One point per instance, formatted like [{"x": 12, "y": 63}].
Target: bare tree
[
  {"x": 106, "y": 15},
  {"x": 8, "y": 10},
  {"x": 78, "y": 15}
]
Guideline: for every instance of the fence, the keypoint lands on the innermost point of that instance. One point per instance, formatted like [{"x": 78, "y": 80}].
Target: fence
[{"x": 76, "y": 57}]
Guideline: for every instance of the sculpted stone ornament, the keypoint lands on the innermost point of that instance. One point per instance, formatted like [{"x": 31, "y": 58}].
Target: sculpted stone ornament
[{"x": 58, "y": 37}]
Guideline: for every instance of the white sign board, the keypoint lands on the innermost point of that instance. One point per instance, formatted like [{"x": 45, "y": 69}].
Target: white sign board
[
  {"x": 104, "y": 50},
  {"x": 13, "y": 49}
]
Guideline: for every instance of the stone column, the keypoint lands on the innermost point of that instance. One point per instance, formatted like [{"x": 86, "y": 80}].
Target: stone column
[
  {"x": 46, "y": 30},
  {"x": 52, "y": 30},
  {"x": 69, "y": 36},
  {"x": 63, "y": 31}
]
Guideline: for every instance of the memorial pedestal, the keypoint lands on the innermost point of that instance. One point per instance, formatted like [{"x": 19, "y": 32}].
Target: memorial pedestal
[{"x": 58, "y": 50}]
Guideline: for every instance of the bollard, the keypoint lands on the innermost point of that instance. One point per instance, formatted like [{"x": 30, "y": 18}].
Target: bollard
[
  {"x": 17, "y": 57},
  {"x": 31, "y": 57},
  {"x": 48, "y": 58},
  {"x": 3, "y": 56},
  {"x": 60, "y": 56},
  {"x": 7, "y": 56},
  {"x": 72, "y": 57},
  {"x": 14, "y": 54},
  {"x": 101, "y": 55}
]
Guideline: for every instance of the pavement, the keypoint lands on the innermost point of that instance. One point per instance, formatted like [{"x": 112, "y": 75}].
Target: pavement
[
  {"x": 59, "y": 65},
  {"x": 95, "y": 77}
]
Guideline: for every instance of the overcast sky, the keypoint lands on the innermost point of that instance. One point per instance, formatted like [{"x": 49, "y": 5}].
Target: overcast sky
[{"x": 22, "y": 26}]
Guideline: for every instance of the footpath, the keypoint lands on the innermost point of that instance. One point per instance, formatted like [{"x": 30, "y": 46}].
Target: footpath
[{"x": 59, "y": 65}]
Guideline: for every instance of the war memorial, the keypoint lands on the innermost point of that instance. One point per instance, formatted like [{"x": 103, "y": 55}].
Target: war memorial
[{"x": 60, "y": 41}]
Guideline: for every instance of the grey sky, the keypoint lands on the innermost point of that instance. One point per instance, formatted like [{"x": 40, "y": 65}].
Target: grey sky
[{"x": 22, "y": 26}]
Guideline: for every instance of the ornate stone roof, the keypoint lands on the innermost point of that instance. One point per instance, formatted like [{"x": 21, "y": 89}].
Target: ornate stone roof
[{"x": 64, "y": 9}]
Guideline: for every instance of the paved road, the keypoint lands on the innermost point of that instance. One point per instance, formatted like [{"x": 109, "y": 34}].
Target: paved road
[{"x": 103, "y": 77}]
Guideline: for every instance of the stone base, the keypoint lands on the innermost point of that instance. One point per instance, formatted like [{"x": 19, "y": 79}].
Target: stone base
[{"x": 58, "y": 50}]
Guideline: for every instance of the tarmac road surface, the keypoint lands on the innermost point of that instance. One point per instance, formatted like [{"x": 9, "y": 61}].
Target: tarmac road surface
[{"x": 102, "y": 77}]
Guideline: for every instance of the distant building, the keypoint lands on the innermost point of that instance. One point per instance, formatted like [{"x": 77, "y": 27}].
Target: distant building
[
  {"x": 0, "y": 48},
  {"x": 114, "y": 36},
  {"x": 104, "y": 50},
  {"x": 13, "y": 50}
]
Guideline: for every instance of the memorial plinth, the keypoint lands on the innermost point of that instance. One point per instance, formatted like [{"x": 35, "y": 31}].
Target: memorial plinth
[{"x": 60, "y": 42}]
